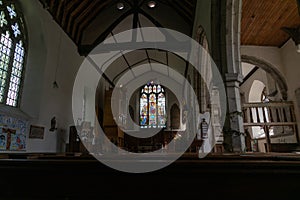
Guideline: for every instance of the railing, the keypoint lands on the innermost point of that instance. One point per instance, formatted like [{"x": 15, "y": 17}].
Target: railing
[
  {"x": 269, "y": 114},
  {"x": 272, "y": 118}
]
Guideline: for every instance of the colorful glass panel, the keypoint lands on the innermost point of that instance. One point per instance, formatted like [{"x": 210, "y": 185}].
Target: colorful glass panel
[
  {"x": 5, "y": 49},
  {"x": 12, "y": 52},
  {"x": 161, "y": 106},
  {"x": 152, "y": 109},
  {"x": 158, "y": 88},
  {"x": 143, "y": 110},
  {"x": 152, "y": 106}
]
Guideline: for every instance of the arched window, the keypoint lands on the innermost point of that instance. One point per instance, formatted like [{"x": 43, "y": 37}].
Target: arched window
[
  {"x": 152, "y": 106},
  {"x": 12, "y": 52}
]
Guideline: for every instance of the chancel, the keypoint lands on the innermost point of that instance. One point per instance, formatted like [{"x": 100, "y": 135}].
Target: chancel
[{"x": 195, "y": 97}]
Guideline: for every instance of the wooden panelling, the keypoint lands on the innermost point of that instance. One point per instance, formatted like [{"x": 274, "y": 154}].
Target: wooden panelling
[{"x": 262, "y": 21}]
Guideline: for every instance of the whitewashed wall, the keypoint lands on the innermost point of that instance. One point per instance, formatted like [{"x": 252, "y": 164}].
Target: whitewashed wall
[{"x": 39, "y": 99}]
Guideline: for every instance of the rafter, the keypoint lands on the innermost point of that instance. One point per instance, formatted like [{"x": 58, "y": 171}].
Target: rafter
[
  {"x": 86, "y": 21},
  {"x": 85, "y": 49},
  {"x": 82, "y": 8},
  {"x": 75, "y": 16},
  {"x": 71, "y": 5},
  {"x": 298, "y": 2}
]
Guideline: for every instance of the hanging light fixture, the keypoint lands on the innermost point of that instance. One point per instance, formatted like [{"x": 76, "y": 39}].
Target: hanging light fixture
[
  {"x": 151, "y": 4},
  {"x": 55, "y": 84},
  {"x": 120, "y": 6}
]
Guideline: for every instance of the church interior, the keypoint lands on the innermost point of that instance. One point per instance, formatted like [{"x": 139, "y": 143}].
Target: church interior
[{"x": 199, "y": 95}]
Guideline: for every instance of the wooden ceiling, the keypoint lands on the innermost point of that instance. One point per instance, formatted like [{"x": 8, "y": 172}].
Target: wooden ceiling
[
  {"x": 262, "y": 21},
  {"x": 78, "y": 18}
]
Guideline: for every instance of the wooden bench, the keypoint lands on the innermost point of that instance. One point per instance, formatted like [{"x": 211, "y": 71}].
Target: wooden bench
[{"x": 285, "y": 147}]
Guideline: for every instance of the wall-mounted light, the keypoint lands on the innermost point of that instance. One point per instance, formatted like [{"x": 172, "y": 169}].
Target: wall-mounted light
[
  {"x": 294, "y": 33},
  {"x": 151, "y": 4}
]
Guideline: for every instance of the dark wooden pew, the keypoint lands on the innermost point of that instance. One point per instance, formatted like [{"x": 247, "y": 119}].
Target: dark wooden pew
[{"x": 224, "y": 176}]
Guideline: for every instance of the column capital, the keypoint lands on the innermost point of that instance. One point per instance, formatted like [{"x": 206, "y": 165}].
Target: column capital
[{"x": 234, "y": 77}]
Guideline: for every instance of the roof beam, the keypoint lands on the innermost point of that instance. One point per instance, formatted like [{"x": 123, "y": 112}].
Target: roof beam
[
  {"x": 249, "y": 75},
  {"x": 176, "y": 46},
  {"x": 100, "y": 71},
  {"x": 85, "y": 49}
]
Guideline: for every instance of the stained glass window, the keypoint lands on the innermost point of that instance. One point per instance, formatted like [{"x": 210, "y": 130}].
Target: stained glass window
[
  {"x": 12, "y": 52},
  {"x": 152, "y": 106}
]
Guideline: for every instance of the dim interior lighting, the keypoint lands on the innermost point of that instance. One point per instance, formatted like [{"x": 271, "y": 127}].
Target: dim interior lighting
[
  {"x": 151, "y": 4},
  {"x": 120, "y": 6}
]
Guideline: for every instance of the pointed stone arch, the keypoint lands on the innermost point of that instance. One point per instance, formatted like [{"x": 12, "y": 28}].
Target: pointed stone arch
[
  {"x": 269, "y": 68},
  {"x": 200, "y": 86}
]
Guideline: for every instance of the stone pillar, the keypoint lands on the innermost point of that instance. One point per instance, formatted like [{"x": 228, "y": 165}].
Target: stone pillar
[
  {"x": 233, "y": 76},
  {"x": 226, "y": 25},
  {"x": 235, "y": 112}
]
